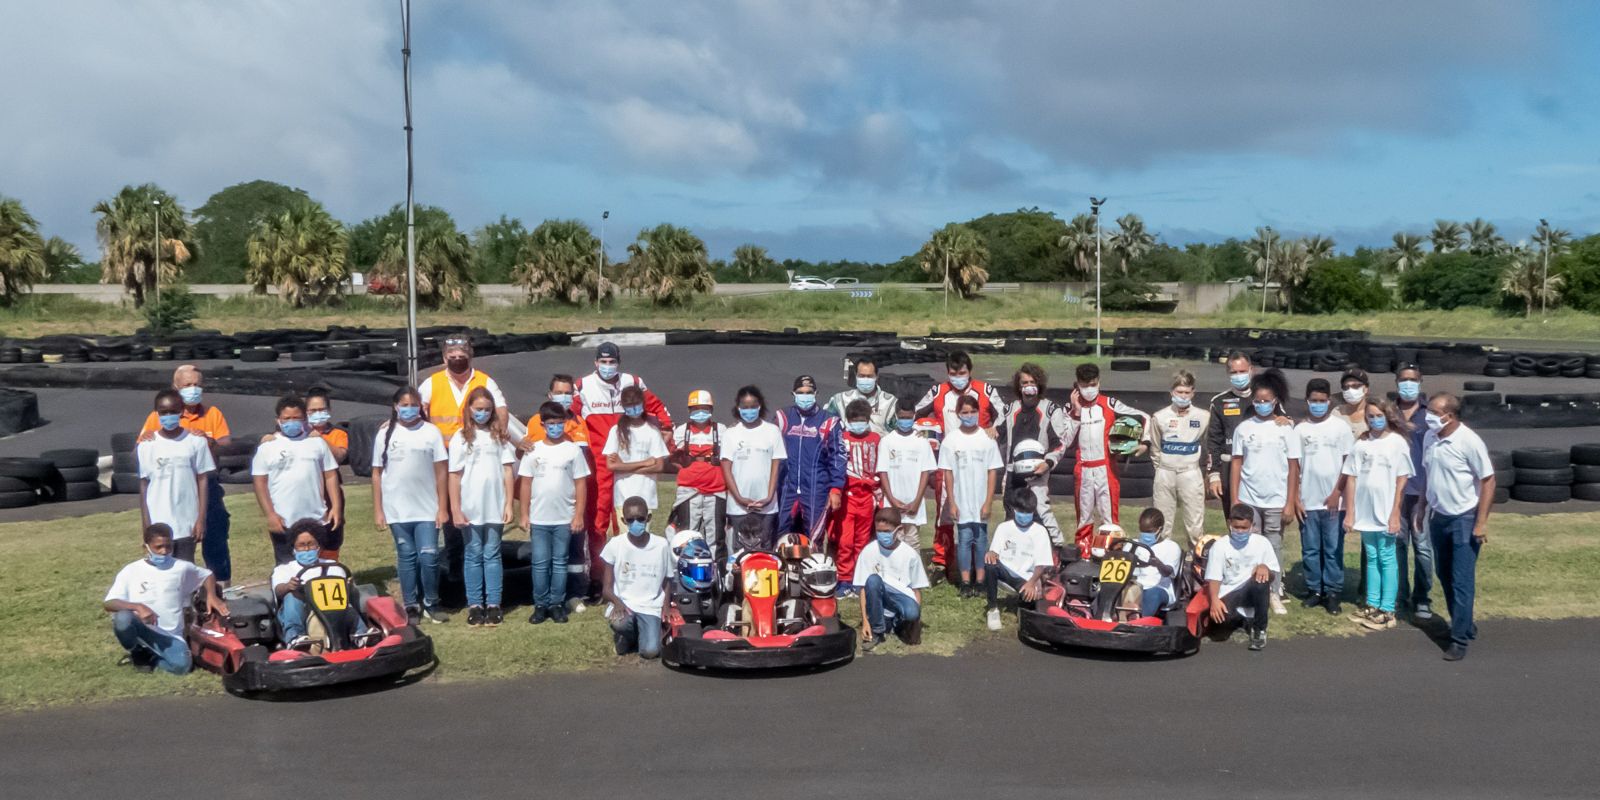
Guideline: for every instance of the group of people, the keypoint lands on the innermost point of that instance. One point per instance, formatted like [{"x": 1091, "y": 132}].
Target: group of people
[{"x": 853, "y": 474}]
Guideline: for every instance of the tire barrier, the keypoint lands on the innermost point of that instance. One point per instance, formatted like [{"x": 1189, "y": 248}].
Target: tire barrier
[
  {"x": 1549, "y": 474},
  {"x": 19, "y": 411},
  {"x": 345, "y": 384}
]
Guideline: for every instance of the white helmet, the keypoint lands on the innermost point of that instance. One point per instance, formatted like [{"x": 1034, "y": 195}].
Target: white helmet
[
  {"x": 682, "y": 538},
  {"x": 1026, "y": 456},
  {"x": 818, "y": 575},
  {"x": 1101, "y": 542}
]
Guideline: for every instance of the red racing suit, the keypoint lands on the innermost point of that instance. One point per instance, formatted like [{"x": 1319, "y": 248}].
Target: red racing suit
[
  {"x": 1097, "y": 493},
  {"x": 852, "y": 527}
]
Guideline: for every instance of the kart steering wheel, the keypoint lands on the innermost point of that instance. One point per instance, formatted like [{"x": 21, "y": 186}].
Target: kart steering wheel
[{"x": 1132, "y": 548}]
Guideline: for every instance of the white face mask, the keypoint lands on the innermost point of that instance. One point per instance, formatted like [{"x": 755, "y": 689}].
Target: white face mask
[
  {"x": 1435, "y": 423},
  {"x": 1089, "y": 393},
  {"x": 1355, "y": 394}
]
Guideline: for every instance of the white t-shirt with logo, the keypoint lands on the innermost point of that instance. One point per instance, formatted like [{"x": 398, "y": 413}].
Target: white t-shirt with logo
[
  {"x": 1235, "y": 566},
  {"x": 969, "y": 457},
  {"x": 750, "y": 452},
  {"x": 553, "y": 470},
  {"x": 295, "y": 470},
  {"x": 638, "y": 573},
  {"x": 165, "y": 591},
  {"x": 1151, "y": 579},
  {"x": 1323, "y": 448},
  {"x": 1376, "y": 464},
  {"x": 1021, "y": 551},
  {"x": 171, "y": 467},
  {"x": 482, "y": 467},
  {"x": 905, "y": 458},
  {"x": 409, "y": 485},
  {"x": 901, "y": 570},
  {"x": 1266, "y": 448},
  {"x": 644, "y": 442}
]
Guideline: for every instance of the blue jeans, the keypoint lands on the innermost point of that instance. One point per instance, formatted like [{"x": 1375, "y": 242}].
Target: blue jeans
[
  {"x": 292, "y": 615},
  {"x": 1456, "y": 556},
  {"x": 416, "y": 548},
  {"x": 1322, "y": 550},
  {"x": 214, "y": 548},
  {"x": 1151, "y": 601},
  {"x": 972, "y": 541},
  {"x": 169, "y": 653},
  {"x": 639, "y": 633},
  {"x": 1416, "y": 582},
  {"x": 550, "y": 544},
  {"x": 480, "y": 563},
  {"x": 1382, "y": 576},
  {"x": 883, "y": 602}
]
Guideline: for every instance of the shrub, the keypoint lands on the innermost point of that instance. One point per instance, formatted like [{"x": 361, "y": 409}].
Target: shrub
[
  {"x": 1339, "y": 285},
  {"x": 173, "y": 309},
  {"x": 1454, "y": 280},
  {"x": 1581, "y": 269}
]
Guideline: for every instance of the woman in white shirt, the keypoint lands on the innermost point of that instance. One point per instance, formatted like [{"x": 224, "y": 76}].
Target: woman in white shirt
[
  {"x": 752, "y": 454},
  {"x": 481, "y": 458},
  {"x": 1379, "y": 465},
  {"x": 635, "y": 452},
  {"x": 410, "y": 498}
]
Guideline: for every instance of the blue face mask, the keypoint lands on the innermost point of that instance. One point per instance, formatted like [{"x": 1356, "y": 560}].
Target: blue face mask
[
  {"x": 905, "y": 425},
  {"x": 633, "y": 411},
  {"x": 1180, "y": 402},
  {"x": 319, "y": 417},
  {"x": 169, "y": 422},
  {"x": 1378, "y": 423},
  {"x": 968, "y": 420},
  {"x": 699, "y": 417},
  {"x": 1023, "y": 518},
  {"x": 564, "y": 399},
  {"x": 1148, "y": 539},
  {"x": 1239, "y": 380},
  {"x": 1238, "y": 540},
  {"x": 866, "y": 385},
  {"x": 857, "y": 427},
  {"x": 805, "y": 402},
  {"x": 606, "y": 371},
  {"x": 305, "y": 558},
  {"x": 1265, "y": 409},
  {"x": 886, "y": 540},
  {"x": 636, "y": 528},
  {"x": 959, "y": 382},
  {"x": 158, "y": 560},
  {"x": 555, "y": 430},
  {"x": 481, "y": 416},
  {"x": 408, "y": 413},
  {"x": 1409, "y": 390},
  {"x": 293, "y": 428},
  {"x": 191, "y": 395},
  {"x": 750, "y": 414},
  {"x": 1318, "y": 408}
]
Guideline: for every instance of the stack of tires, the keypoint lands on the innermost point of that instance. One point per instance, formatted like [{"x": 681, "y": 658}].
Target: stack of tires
[
  {"x": 1586, "y": 471},
  {"x": 1505, "y": 476},
  {"x": 1136, "y": 476},
  {"x": 79, "y": 469},
  {"x": 55, "y": 476},
  {"x": 124, "y": 466},
  {"x": 1544, "y": 474},
  {"x": 233, "y": 458},
  {"x": 1062, "y": 481}
]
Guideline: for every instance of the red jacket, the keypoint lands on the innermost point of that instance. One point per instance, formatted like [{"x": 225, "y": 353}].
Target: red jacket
[{"x": 599, "y": 403}]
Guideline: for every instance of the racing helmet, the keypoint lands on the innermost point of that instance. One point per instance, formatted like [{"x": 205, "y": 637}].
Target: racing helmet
[
  {"x": 696, "y": 571},
  {"x": 1103, "y": 539},
  {"x": 793, "y": 547},
  {"x": 1125, "y": 434},
  {"x": 683, "y": 537},
  {"x": 818, "y": 576},
  {"x": 1026, "y": 456}
]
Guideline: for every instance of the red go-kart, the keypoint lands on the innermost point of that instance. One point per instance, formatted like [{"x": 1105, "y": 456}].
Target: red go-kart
[{"x": 1092, "y": 602}]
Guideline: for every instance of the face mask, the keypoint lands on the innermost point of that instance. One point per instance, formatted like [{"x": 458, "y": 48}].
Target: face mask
[
  {"x": 481, "y": 416},
  {"x": 293, "y": 428},
  {"x": 1264, "y": 409},
  {"x": 1354, "y": 394},
  {"x": 458, "y": 365},
  {"x": 699, "y": 417},
  {"x": 633, "y": 411},
  {"x": 858, "y": 427},
  {"x": 866, "y": 385},
  {"x": 305, "y": 558},
  {"x": 1318, "y": 409},
  {"x": 1378, "y": 423},
  {"x": 564, "y": 400},
  {"x": 1148, "y": 539},
  {"x": 1030, "y": 391},
  {"x": 1180, "y": 402},
  {"x": 1239, "y": 380},
  {"x": 1023, "y": 518},
  {"x": 1435, "y": 422},
  {"x": 805, "y": 402},
  {"x": 157, "y": 560},
  {"x": 905, "y": 425},
  {"x": 319, "y": 417},
  {"x": 959, "y": 382},
  {"x": 169, "y": 422},
  {"x": 191, "y": 395},
  {"x": 885, "y": 540},
  {"x": 1089, "y": 393},
  {"x": 1409, "y": 390},
  {"x": 606, "y": 371},
  {"x": 750, "y": 414},
  {"x": 1238, "y": 540},
  {"x": 408, "y": 413},
  {"x": 636, "y": 528},
  {"x": 968, "y": 420},
  {"x": 554, "y": 430}
]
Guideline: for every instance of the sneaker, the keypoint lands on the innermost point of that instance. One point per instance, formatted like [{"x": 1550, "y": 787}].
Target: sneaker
[
  {"x": 872, "y": 641},
  {"x": 1363, "y": 614},
  {"x": 1277, "y": 605},
  {"x": 413, "y": 615},
  {"x": 1313, "y": 600},
  {"x": 539, "y": 615},
  {"x": 1333, "y": 606},
  {"x": 436, "y": 615},
  {"x": 474, "y": 616},
  {"x": 493, "y": 616},
  {"x": 576, "y": 606},
  {"x": 1258, "y": 641},
  {"x": 1455, "y": 653},
  {"x": 993, "y": 619},
  {"x": 1379, "y": 621},
  {"x": 1423, "y": 612},
  {"x": 558, "y": 614},
  {"x": 302, "y": 643},
  {"x": 936, "y": 575},
  {"x": 843, "y": 591}
]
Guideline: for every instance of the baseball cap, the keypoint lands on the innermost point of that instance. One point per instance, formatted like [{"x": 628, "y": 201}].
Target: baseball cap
[
  {"x": 700, "y": 397},
  {"x": 805, "y": 381},
  {"x": 608, "y": 350}
]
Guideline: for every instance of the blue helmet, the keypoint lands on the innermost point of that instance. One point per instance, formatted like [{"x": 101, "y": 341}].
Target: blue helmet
[{"x": 696, "y": 571}]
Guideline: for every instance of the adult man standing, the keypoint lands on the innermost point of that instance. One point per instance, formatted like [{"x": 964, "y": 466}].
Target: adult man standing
[
  {"x": 1413, "y": 406},
  {"x": 940, "y": 403},
  {"x": 445, "y": 392},
  {"x": 866, "y": 389},
  {"x": 1460, "y": 492},
  {"x": 812, "y": 481},
  {"x": 1098, "y": 495},
  {"x": 197, "y": 417},
  {"x": 1227, "y": 408}
]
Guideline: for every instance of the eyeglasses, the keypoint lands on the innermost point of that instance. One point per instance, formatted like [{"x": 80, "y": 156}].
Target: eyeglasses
[{"x": 455, "y": 340}]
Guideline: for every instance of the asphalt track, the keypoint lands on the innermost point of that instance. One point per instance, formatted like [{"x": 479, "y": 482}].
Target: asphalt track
[{"x": 1372, "y": 716}]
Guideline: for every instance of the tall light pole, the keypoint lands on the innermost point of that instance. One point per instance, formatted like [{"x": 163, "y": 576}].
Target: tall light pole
[
  {"x": 947, "y": 280},
  {"x": 411, "y": 217},
  {"x": 1544, "y": 281},
  {"x": 1266, "y": 275},
  {"x": 1094, "y": 211},
  {"x": 157, "y": 257},
  {"x": 604, "y": 215}
]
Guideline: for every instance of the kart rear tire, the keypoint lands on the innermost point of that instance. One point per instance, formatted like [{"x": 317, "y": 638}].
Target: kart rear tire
[
  {"x": 1541, "y": 457},
  {"x": 1586, "y": 491},
  {"x": 18, "y": 499},
  {"x": 79, "y": 474},
  {"x": 72, "y": 457},
  {"x": 1478, "y": 386},
  {"x": 1529, "y": 493},
  {"x": 1130, "y": 365},
  {"x": 1561, "y": 476},
  {"x": 1588, "y": 454}
]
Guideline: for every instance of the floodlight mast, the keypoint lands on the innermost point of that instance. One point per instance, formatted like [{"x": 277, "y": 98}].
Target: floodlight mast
[
  {"x": 1094, "y": 211},
  {"x": 411, "y": 219}
]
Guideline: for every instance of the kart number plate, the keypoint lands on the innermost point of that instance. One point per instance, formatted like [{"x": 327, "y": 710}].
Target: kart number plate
[
  {"x": 761, "y": 583},
  {"x": 1115, "y": 570},
  {"x": 329, "y": 594}
]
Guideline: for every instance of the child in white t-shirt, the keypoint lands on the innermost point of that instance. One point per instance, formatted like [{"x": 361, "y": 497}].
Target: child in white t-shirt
[
  {"x": 411, "y": 497},
  {"x": 1164, "y": 556},
  {"x": 481, "y": 459},
  {"x": 146, "y": 603},
  {"x": 1019, "y": 553},
  {"x": 970, "y": 462},
  {"x": 638, "y": 571},
  {"x": 1239, "y": 574},
  {"x": 296, "y": 478},
  {"x": 1266, "y": 468},
  {"x": 554, "y": 480},
  {"x": 175, "y": 468},
  {"x": 1325, "y": 443},
  {"x": 889, "y": 578},
  {"x": 635, "y": 452},
  {"x": 1377, "y": 470},
  {"x": 906, "y": 465}
]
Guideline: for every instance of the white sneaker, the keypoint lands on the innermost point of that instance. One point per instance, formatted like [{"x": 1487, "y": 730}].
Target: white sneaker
[
  {"x": 994, "y": 619},
  {"x": 1277, "y": 606},
  {"x": 576, "y": 606}
]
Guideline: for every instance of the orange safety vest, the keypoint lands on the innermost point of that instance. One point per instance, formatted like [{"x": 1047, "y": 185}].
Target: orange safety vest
[{"x": 443, "y": 410}]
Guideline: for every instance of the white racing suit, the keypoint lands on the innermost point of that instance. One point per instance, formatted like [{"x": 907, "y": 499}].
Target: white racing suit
[
  {"x": 1097, "y": 492},
  {"x": 1048, "y": 424},
  {"x": 1175, "y": 443}
]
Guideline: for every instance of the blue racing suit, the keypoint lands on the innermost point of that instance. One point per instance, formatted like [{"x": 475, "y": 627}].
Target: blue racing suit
[{"x": 814, "y": 468}]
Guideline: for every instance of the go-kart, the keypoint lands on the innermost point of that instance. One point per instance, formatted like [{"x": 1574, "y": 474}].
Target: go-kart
[
  {"x": 767, "y": 610},
  {"x": 1092, "y": 601},
  {"x": 353, "y": 633}
]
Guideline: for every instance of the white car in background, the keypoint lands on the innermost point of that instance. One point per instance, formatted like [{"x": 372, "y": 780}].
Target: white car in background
[
  {"x": 808, "y": 283},
  {"x": 837, "y": 282}
]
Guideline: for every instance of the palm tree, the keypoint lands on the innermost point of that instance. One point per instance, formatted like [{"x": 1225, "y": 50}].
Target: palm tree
[
  {"x": 303, "y": 251},
  {"x": 557, "y": 262},
  {"x": 127, "y": 231},
  {"x": 668, "y": 264},
  {"x": 1319, "y": 248},
  {"x": 22, "y": 262},
  {"x": 1553, "y": 241},
  {"x": 1525, "y": 280},
  {"x": 1293, "y": 261},
  {"x": 751, "y": 259},
  {"x": 1131, "y": 241},
  {"x": 1407, "y": 251},
  {"x": 1446, "y": 236},
  {"x": 958, "y": 257},
  {"x": 1262, "y": 251},
  {"x": 444, "y": 261},
  {"x": 60, "y": 257},
  {"x": 1482, "y": 240},
  {"x": 1079, "y": 243}
]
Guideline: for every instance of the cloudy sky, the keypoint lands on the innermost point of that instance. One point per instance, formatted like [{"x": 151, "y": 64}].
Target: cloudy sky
[{"x": 822, "y": 129}]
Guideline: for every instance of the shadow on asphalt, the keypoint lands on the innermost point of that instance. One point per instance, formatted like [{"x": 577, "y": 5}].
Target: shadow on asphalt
[{"x": 342, "y": 690}]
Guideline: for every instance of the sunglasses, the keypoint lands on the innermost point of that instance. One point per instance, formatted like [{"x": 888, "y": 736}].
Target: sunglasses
[{"x": 631, "y": 520}]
